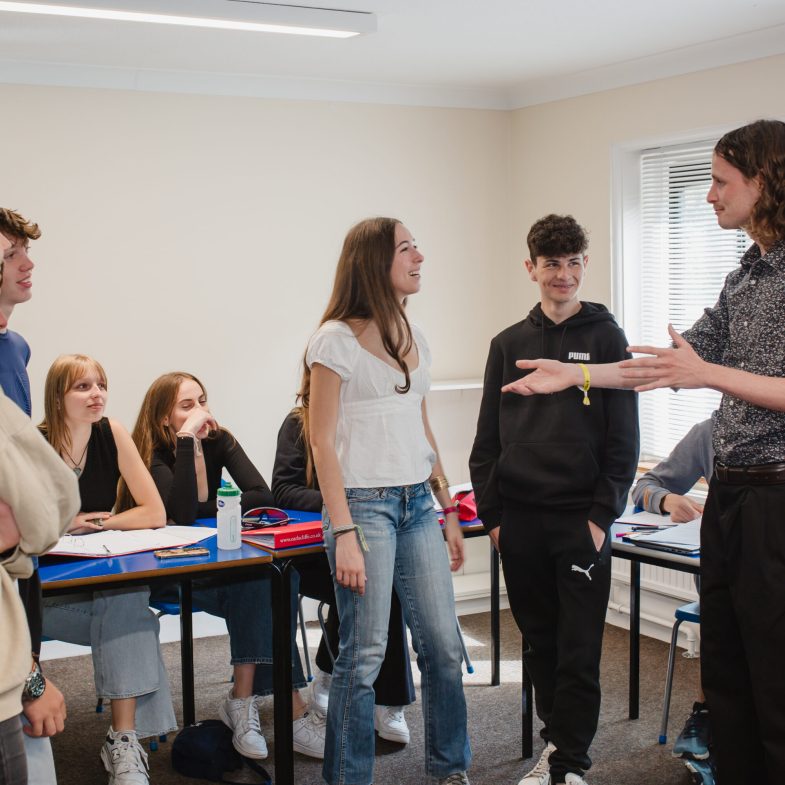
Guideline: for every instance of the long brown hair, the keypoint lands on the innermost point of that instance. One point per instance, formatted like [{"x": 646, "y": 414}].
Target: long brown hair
[
  {"x": 362, "y": 290},
  {"x": 150, "y": 433},
  {"x": 758, "y": 150},
  {"x": 65, "y": 370}
]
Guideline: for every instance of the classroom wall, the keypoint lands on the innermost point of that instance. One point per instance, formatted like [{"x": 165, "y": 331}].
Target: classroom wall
[
  {"x": 201, "y": 233},
  {"x": 562, "y": 152}
]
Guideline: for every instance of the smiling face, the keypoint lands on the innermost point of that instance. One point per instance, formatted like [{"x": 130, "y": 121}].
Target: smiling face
[
  {"x": 17, "y": 275},
  {"x": 559, "y": 278},
  {"x": 406, "y": 264},
  {"x": 190, "y": 396},
  {"x": 85, "y": 399},
  {"x": 731, "y": 194}
]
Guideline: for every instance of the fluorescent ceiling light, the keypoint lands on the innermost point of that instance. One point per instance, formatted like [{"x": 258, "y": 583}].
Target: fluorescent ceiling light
[{"x": 249, "y": 15}]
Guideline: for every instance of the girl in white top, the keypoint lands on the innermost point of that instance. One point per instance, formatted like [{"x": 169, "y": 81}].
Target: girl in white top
[{"x": 364, "y": 385}]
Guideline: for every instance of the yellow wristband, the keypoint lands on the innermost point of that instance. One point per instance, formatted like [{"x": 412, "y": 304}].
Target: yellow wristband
[{"x": 586, "y": 384}]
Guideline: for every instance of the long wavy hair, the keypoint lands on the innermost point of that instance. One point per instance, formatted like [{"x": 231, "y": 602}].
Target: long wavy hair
[
  {"x": 62, "y": 374},
  {"x": 758, "y": 150},
  {"x": 362, "y": 290},
  {"x": 150, "y": 433}
]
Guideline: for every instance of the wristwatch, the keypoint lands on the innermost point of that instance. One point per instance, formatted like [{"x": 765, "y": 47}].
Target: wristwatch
[{"x": 35, "y": 684}]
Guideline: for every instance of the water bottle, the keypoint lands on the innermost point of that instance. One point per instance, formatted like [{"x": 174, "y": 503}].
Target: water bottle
[{"x": 229, "y": 515}]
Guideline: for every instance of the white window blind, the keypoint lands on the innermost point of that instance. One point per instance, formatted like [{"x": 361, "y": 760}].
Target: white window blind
[{"x": 683, "y": 259}]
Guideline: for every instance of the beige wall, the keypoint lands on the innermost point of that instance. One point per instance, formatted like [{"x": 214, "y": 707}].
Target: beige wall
[
  {"x": 562, "y": 151},
  {"x": 201, "y": 233}
]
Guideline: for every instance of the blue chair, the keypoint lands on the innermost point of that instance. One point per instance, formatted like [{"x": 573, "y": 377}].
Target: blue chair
[{"x": 689, "y": 612}]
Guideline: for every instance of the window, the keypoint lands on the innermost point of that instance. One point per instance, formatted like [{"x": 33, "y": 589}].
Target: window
[{"x": 675, "y": 259}]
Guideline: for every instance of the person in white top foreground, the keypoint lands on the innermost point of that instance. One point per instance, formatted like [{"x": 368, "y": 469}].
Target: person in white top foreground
[{"x": 365, "y": 379}]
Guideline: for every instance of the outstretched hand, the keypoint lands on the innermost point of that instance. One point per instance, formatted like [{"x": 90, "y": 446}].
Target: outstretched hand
[
  {"x": 548, "y": 376},
  {"x": 676, "y": 367}
]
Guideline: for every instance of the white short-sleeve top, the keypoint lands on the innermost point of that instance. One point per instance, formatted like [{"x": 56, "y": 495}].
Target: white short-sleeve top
[{"x": 380, "y": 436}]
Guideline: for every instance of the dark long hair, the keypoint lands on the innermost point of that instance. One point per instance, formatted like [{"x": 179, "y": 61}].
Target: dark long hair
[
  {"x": 758, "y": 150},
  {"x": 362, "y": 290}
]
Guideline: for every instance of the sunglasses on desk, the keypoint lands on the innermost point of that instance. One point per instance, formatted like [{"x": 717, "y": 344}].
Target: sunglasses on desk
[{"x": 262, "y": 517}]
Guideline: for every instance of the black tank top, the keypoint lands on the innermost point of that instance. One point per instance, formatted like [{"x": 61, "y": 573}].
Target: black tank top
[{"x": 98, "y": 482}]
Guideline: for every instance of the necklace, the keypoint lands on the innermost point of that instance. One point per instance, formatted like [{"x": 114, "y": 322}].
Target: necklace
[{"x": 77, "y": 467}]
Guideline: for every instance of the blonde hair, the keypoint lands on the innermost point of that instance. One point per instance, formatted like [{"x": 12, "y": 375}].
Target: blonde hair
[{"x": 62, "y": 374}]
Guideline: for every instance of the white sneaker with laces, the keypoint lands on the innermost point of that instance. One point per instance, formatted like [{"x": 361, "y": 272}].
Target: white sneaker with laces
[
  {"x": 320, "y": 690},
  {"x": 308, "y": 734},
  {"x": 242, "y": 716},
  {"x": 541, "y": 773},
  {"x": 390, "y": 723},
  {"x": 124, "y": 759},
  {"x": 574, "y": 779}
]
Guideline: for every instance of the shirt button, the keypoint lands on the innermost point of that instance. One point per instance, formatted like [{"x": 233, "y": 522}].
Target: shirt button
[
  {"x": 753, "y": 281},
  {"x": 745, "y": 324},
  {"x": 730, "y": 403},
  {"x": 722, "y": 441},
  {"x": 741, "y": 365}
]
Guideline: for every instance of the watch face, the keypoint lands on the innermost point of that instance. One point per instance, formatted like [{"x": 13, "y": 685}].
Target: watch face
[{"x": 34, "y": 685}]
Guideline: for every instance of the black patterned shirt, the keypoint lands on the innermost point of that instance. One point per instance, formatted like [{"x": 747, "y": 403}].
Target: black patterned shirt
[{"x": 746, "y": 330}]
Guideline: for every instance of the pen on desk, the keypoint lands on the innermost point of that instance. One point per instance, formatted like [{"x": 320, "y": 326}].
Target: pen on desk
[{"x": 106, "y": 549}]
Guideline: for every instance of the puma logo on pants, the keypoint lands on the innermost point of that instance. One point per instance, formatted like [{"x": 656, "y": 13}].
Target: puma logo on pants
[{"x": 576, "y": 568}]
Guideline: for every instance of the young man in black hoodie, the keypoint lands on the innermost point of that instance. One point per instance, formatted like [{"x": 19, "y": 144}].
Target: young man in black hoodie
[{"x": 551, "y": 474}]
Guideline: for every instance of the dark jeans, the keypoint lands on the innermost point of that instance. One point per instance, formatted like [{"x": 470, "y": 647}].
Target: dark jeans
[
  {"x": 13, "y": 763},
  {"x": 558, "y": 587},
  {"x": 394, "y": 685},
  {"x": 743, "y": 630}
]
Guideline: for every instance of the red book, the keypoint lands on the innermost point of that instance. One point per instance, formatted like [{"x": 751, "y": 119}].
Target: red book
[{"x": 286, "y": 536}]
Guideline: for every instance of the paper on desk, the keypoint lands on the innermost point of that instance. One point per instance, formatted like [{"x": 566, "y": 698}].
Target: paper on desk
[
  {"x": 646, "y": 519},
  {"x": 120, "y": 543},
  {"x": 683, "y": 537}
]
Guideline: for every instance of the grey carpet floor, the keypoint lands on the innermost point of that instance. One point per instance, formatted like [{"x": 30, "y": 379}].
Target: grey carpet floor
[{"x": 624, "y": 752}]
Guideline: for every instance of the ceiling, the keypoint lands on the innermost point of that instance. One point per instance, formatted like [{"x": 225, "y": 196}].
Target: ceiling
[{"x": 498, "y": 54}]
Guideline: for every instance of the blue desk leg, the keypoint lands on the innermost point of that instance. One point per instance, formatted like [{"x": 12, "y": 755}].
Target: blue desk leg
[
  {"x": 635, "y": 638},
  {"x": 187, "y": 651},
  {"x": 282, "y": 672},
  {"x": 495, "y": 630}
]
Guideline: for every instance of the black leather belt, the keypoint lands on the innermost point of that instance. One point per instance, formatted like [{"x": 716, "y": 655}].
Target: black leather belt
[{"x": 760, "y": 474}]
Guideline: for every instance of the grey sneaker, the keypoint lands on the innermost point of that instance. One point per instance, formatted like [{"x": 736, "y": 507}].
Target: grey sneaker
[
  {"x": 124, "y": 759},
  {"x": 320, "y": 690},
  {"x": 390, "y": 723},
  {"x": 308, "y": 734},
  {"x": 242, "y": 716},
  {"x": 541, "y": 773},
  {"x": 459, "y": 778}
]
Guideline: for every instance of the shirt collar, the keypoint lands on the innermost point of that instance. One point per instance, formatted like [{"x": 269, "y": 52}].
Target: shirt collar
[{"x": 774, "y": 257}]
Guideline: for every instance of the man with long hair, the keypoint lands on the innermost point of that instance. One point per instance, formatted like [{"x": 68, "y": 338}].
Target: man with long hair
[{"x": 738, "y": 348}]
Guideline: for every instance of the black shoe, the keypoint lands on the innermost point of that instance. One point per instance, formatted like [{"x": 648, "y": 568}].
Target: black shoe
[{"x": 693, "y": 741}]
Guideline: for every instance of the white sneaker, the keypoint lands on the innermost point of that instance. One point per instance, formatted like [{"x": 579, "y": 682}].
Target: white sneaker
[
  {"x": 308, "y": 734},
  {"x": 242, "y": 716},
  {"x": 390, "y": 723},
  {"x": 541, "y": 773},
  {"x": 574, "y": 779},
  {"x": 124, "y": 759},
  {"x": 320, "y": 690}
]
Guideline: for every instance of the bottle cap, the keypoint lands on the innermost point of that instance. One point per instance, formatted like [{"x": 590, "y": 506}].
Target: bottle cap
[{"x": 228, "y": 490}]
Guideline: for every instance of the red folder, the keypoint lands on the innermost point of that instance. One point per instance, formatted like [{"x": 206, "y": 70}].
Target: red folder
[{"x": 287, "y": 536}]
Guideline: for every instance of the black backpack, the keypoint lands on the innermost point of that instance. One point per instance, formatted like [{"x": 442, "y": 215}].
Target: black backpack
[{"x": 204, "y": 750}]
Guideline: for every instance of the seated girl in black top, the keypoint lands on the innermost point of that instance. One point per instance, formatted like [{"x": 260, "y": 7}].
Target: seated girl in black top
[
  {"x": 186, "y": 450},
  {"x": 118, "y": 625},
  {"x": 296, "y": 487}
]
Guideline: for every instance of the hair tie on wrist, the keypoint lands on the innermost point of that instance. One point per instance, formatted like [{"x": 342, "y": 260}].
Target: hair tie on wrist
[
  {"x": 586, "y": 384},
  {"x": 448, "y": 510}
]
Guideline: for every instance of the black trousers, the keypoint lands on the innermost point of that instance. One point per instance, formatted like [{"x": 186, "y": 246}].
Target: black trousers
[
  {"x": 743, "y": 630},
  {"x": 558, "y": 587},
  {"x": 394, "y": 685}
]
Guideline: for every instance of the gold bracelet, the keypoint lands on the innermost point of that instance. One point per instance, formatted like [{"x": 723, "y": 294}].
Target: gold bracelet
[
  {"x": 438, "y": 483},
  {"x": 586, "y": 384}
]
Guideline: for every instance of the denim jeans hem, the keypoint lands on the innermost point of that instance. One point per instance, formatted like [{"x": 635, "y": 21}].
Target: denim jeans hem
[
  {"x": 156, "y": 734},
  {"x": 296, "y": 685},
  {"x": 251, "y": 661}
]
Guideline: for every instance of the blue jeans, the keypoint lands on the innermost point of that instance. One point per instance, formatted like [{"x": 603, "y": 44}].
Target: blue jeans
[
  {"x": 127, "y": 662},
  {"x": 406, "y": 549},
  {"x": 246, "y": 606}
]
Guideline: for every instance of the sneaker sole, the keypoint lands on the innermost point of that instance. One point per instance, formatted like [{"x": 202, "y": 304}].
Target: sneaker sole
[
  {"x": 319, "y": 755},
  {"x": 248, "y": 753},
  {"x": 691, "y": 755}
]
